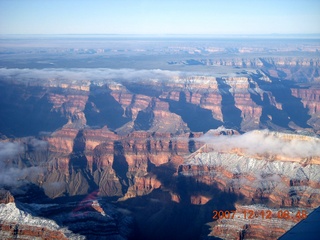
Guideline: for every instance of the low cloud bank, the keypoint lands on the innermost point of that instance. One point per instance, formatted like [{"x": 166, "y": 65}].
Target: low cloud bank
[
  {"x": 266, "y": 142},
  {"x": 37, "y": 144},
  {"x": 90, "y": 74},
  {"x": 9, "y": 149},
  {"x": 10, "y": 174}
]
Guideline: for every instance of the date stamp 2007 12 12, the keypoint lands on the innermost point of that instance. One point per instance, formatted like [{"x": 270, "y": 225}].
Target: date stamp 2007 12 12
[{"x": 263, "y": 214}]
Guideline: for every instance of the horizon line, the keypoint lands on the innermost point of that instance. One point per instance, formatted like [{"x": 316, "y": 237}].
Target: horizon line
[{"x": 164, "y": 34}]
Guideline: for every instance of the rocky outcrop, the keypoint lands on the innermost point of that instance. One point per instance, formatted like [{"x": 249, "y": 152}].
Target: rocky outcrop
[
  {"x": 251, "y": 62},
  {"x": 88, "y": 218},
  {"x": 282, "y": 187},
  {"x": 6, "y": 197},
  {"x": 299, "y": 69},
  {"x": 129, "y": 139},
  {"x": 158, "y": 118},
  {"x": 278, "y": 181},
  {"x": 250, "y": 111},
  {"x": 246, "y": 101},
  {"x": 310, "y": 97},
  {"x": 252, "y": 222},
  {"x": 116, "y": 165},
  {"x": 199, "y": 90},
  {"x": 70, "y": 105},
  {"x": 130, "y": 102},
  {"x": 11, "y": 230},
  {"x": 17, "y": 223}
]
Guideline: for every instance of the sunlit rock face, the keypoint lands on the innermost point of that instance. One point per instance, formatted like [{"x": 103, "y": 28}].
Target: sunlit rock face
[
  {"x": 310, "y": 98},
  {"x": 284, "y": 177},
  {"x": 287, "y": 178},
  {"x": 6, "y": 197},
  {"x": 118, "y": 166},
  {"x": 144, "y": 140},
  {"x": 16, "y": 223},
  {"x": 70, "y": 220},
  {"x": 258, "y": 226},
  {"x": 252, "y": 100}
]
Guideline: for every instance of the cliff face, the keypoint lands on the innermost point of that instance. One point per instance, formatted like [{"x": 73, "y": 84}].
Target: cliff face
[
  {"x": 282, "y": 180},
  {"x": 271, "y": 182},
  {"x": 137, "y": 164},
  {"x": 251, "y": 112},
  {"x": 300, "y": 69},
  {"x": 310, "y": 97},
  {"x": 117, "y": 166},
  {"x": 128, "y": 140},
  {"x": 5, "y": 197},
  {"x": 85, "y": 219},
  {"x": 257, "y": 227},
  {"x": 16, "y": 223},
  {"x": 71, "y": 105},
  {"x": 248, "y": 102},
  {"x": 27, "y": 110},
  {"x": 245, "y": 102}
]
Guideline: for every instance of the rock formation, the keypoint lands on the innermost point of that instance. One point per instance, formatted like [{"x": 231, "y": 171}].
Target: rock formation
[
  {"x": 258, "y": 226},
  {"x": 16, "y": 223},
  {"x": 126, "y": 140},
  {"x": 278, "y": 182}
]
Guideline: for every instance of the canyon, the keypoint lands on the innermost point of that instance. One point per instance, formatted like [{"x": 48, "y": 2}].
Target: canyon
[
  {"x": 267, "y": 182},
  {"x": 100, "y": 153}
]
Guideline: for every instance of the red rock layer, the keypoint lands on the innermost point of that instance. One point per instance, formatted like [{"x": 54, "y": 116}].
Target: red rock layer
[
  {"x": 310, "y": 97},
  {"x": 129, "y": 101},
  {"x": 119, "y": 166},
  {"x": 259, "y": 225},
  {"x": 225, "y": 180},
  {"x": 5, "y": 197},
  {"x": 17, "y": 231},
  {"x": 202, "y": 91},
  {"x": 250, "y": 111}
]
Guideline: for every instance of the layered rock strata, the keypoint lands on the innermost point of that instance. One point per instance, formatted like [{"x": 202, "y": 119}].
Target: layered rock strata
[
  {"x": 252, "y": 222},
  {"x": 279, "y": 181},
  {"x": 20, "y": 224}
]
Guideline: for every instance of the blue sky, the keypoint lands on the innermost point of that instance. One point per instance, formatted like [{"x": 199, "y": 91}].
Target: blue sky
[{"x": 159, "y": 16}]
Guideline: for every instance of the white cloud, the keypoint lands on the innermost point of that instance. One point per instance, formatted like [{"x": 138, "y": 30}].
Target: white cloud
[
  {"x": 89, "y": 74},
  {"x": 11, "y": 175},
  {"x": 37, "y": 144},
  {"x": 266, "y": 142},
  {"x": 9, "y": 149}
]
